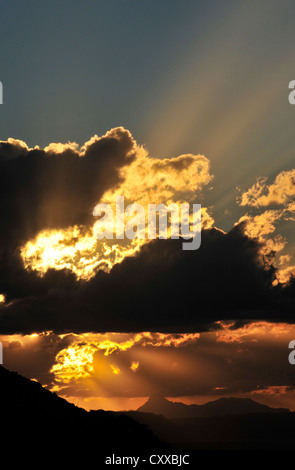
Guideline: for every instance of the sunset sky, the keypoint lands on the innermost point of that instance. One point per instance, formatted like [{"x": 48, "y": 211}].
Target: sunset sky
[{"x": 158, "y": 101}]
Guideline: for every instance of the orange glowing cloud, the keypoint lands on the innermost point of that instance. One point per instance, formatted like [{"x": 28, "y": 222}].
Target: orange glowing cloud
[
  {"x": 76, "y": 360},
  {"x": 261, "y": 226},
  {"x": 284, "y": 275},
  {"x": 134, "y": 366},
  {"x": 277, "y": 390},
  {"x": 249, "y": 332},
  {"x": 278, "y": 193},
  {"x": 144, "y": 180}
]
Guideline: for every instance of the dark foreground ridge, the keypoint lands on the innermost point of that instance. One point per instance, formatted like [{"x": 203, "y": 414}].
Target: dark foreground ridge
[
  {"x": 36, "y": 422},
  {"x": 35, "y": 419}
]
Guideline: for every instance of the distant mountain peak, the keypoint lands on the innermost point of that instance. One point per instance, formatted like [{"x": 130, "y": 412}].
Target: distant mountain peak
[
  {"x": 159, "y": 405},
  {"x": 157, "y": 399}
]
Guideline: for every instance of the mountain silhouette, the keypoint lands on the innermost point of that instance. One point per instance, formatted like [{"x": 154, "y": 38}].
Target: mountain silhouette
[
  {"x": 35, "y": 418},
  {"x": 224, "y": 424},
  {"x": 248, "y": 431},
  {"x": 221, "y": 407}
]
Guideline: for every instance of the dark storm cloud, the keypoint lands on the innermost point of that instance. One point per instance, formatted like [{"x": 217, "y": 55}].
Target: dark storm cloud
[
  {"x": 162, "y": 288},
  {"x": 52, "y": 188},
  {"x": 56, "y": 188}
]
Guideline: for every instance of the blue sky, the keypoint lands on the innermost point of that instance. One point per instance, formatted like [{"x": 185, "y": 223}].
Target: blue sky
[{"x": 183, "y": 76}]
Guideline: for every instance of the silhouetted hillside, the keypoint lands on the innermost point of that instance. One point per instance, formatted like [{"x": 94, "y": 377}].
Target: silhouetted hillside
[
  {"x": 33, "y": 418},
  {"x": 35, "y": 421},
  {"x": 221, "y": 407}
]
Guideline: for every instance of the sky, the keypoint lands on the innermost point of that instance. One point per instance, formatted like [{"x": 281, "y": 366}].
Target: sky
[{"x": 170, "y": 101}]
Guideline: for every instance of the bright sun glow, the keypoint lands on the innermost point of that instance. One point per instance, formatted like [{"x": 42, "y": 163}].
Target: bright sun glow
[
  {"x": 145, "y": 181},
  {"x": 76, "y": 360}
]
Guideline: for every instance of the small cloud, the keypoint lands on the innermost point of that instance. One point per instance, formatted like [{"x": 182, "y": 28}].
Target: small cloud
[
  {"x": 280, "y": 192},
  {"x": 134, "y": 366},
  {"x": 115, "y": 369}
]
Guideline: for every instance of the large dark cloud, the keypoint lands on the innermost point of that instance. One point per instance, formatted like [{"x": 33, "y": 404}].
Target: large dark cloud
[
  {"x": 162, "y": 288},
  {"x": 54, "y": 189}
]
